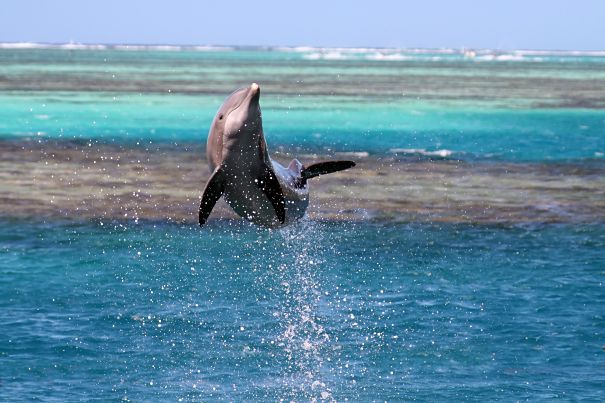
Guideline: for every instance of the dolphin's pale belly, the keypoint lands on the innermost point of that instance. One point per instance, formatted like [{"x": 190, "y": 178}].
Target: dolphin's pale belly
[{"x": 250, "y": 202}]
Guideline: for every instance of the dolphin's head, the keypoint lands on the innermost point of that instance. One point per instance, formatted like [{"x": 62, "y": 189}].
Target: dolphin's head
[
  {"x": 244, "y": 115},
  {"x": 237, "y": 125}
]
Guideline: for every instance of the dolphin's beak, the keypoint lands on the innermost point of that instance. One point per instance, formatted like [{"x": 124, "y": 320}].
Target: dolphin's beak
[{"x": 254, "y": 92}]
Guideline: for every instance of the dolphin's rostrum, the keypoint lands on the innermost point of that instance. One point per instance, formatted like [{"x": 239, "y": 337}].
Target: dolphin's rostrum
[{"x": 256, "y": 187}]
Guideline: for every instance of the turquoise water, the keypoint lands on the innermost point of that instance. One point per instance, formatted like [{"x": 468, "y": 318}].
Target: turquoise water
[
  {"x": 354, "y": 311},
  {"x": 521, "y": 107},
  {"x": 314, "y": 125},
  {"x": 142, "y": 310}
]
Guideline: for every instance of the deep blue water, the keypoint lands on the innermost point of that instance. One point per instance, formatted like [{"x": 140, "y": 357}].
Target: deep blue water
[{"x": 366, "y": 311}]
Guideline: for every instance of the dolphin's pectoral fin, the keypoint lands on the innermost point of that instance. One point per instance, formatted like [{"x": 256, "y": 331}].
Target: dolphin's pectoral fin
[
  {"x": 272, "y": 189},
  {"x": 213, "y": 191},
  {"x": 322, "y": 168}
]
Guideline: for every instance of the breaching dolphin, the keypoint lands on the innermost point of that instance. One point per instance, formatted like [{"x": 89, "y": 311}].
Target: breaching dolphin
[{"x": 255, "y": 186}]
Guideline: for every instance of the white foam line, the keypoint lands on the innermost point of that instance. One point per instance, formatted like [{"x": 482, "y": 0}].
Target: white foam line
[
  {"x": 357, "y": 154},
  {"x": 421, "y": 151},
  {"x": 81, "y": 46},
  {"x": 359, "y": 51}
]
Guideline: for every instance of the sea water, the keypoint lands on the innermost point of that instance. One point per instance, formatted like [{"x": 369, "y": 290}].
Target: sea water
[
  {"x": 335, "y": 311},
  {"x": 522, "y": 109},
  {"x": 114, "y": 307}
]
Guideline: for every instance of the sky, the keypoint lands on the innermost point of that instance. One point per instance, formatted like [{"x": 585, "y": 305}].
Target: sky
[{"x": 506, "y": 24}]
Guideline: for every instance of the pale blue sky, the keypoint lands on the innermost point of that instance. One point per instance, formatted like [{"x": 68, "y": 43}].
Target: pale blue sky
[{"x": 506, "y": 24}]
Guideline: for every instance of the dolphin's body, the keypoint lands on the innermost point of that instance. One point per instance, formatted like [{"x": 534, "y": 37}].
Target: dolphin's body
[{"x": 256, "y": 187}]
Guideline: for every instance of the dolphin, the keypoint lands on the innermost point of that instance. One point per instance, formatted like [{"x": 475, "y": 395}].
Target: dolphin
[{"x": 256, "y": 187}]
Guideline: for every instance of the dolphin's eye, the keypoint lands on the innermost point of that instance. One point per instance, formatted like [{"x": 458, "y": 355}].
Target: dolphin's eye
[{"x": 220, "y": 117}]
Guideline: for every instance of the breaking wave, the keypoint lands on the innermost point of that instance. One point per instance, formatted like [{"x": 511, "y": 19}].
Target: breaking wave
[
  {"x": 443, "y": 153},
  {"x": 339, "y": 53}
]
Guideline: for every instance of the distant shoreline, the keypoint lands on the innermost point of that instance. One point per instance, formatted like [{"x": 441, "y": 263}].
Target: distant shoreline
[{"x": 468, "y": 52}]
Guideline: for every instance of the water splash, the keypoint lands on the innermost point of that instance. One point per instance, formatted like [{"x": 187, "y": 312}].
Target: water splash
[{"x": 302, "y": 335}]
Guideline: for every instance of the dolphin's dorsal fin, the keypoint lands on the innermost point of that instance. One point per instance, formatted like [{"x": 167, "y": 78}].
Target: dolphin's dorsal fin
[
  {"x": 270, "y": 186},
  {"x": 327, "y": 167},
  {"x": 213, "y": 191},
  {"x": 295, "y": 167}
]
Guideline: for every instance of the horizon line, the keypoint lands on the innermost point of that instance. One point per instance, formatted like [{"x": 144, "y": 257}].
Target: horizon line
[{"x": 72, "y": 45}]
